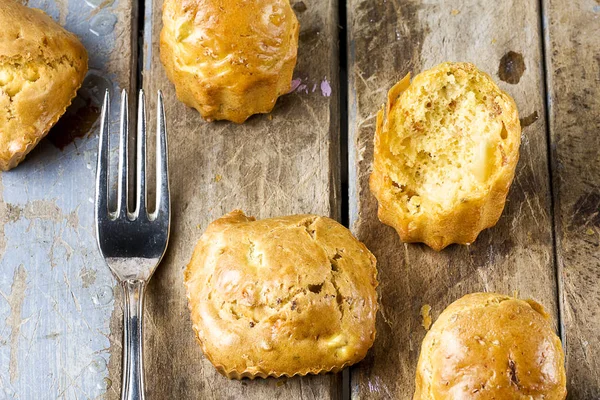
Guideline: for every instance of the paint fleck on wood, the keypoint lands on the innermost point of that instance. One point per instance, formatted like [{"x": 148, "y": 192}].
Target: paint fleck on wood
[
  {"x": 87, "y": 276},
  {"x": 14, "y": 320}
]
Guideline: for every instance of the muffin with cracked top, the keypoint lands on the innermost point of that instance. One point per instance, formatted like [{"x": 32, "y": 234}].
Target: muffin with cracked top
[{"x": 292, "y": 295}]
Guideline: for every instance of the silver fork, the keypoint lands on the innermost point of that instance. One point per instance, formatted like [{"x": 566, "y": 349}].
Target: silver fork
[{"x": 133, "y": 243}]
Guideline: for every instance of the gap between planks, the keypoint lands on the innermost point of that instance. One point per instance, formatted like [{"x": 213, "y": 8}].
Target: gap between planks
[{"x": 544, "y": 43}]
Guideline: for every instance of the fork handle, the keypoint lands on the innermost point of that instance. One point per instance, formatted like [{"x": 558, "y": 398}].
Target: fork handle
[{"x": 133, "y": 338}]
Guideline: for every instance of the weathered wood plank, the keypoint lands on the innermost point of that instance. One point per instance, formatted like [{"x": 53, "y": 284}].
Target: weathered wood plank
[
  {"x": 54, "y": 336},
  {"x": 266, "y": 167},
  {"x": 387, "y": 39},
  {"x": 572, "y": 31}
]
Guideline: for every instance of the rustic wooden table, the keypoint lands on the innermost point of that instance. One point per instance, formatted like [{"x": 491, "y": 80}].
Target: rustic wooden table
[{"x": 60, "y": 331}]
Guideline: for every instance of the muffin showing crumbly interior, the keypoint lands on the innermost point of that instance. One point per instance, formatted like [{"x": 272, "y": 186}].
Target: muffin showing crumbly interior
[
  {"x": 445, "y": 155},
  {"x": 292, "y": 295}
]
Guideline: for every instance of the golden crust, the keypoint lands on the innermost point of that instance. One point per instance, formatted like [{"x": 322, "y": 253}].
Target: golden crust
[
  {"x": 490, "y": 346},
  {"x": 467, "y": 217},
  {"x": 41, "y": 67},
  {"x": 282, "y": 296},
  {"x": 229, "y": 59}
]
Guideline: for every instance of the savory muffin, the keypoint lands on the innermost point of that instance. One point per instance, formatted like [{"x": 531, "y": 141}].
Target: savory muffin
[
  {"x": 286, "y": 296},
  {"x": 490, "y": 346},
  {"x": 445, "y": 155},
  {"x": 41, "y": 67},
  {"x": 229, "y": 59}
]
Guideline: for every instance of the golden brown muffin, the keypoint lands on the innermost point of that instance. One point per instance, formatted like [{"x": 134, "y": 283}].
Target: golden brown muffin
[
  {"x": 41, "y": 67},
  {"x": 445, "y": 155},
  {"x": 286, "y": 296},
  {"x": 229, "y": 59},
  {"x": 489, "y": 346}
]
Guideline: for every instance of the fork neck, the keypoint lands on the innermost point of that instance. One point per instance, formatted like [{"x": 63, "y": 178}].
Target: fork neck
[{"x": 133, "y": 340}]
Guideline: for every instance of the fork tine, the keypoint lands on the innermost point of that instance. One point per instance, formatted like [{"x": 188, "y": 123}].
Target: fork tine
[
  {"x": 102, "y": 168},
  {"x": 140, "y": 207},
  {"x": 123, "y": 156},
  {"x": 163, "y": 202}
]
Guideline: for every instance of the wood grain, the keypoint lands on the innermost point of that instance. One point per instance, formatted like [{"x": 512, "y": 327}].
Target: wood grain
[
  {"x": 58, "y": 290},
  {"x": 573, "y": 71},
  {"x": 283, "y": 163},
  {"x": 387, "y": 39}
]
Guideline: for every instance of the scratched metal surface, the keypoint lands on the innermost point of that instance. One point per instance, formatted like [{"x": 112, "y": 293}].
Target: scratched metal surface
[{"x": 57, "y": 295}]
